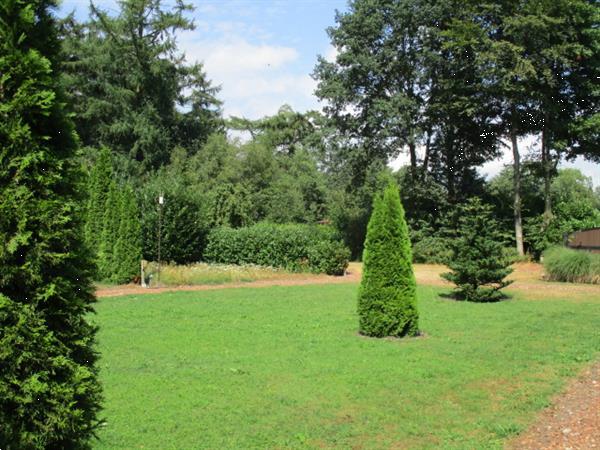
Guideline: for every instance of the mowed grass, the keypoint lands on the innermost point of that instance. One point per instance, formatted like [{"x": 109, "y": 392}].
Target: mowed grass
[{"x": 283, "y": 367}]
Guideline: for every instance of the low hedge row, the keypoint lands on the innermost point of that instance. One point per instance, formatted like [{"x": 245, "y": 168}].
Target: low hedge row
[
  {"x": 292, "y": 247},
  {"x": 576, "y": 266}
]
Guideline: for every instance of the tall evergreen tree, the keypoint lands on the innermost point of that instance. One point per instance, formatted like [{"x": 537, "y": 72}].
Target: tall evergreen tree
[
  {"x": 387, "y": 301},
  {"x": 128, "y": 247},
  {"x": 49, "y": 393},
  {"x": 107, "y": 260},
  {"x": 99, "y": 182},
  {"x": 130, "y": 87}
]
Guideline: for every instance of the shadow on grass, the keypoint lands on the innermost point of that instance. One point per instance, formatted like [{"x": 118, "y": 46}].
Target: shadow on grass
[{"x": 456, "y": 297}]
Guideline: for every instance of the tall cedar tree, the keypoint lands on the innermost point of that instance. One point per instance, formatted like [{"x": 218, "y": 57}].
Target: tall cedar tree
[
  {"x": 387, "y": 302},
  {"x": 478, "y": 266},
  {"x": 99, "y": 182},
  {"x": 128, "y": 248},
  {"x": 49, "y": 393},
  {"x": 107, "y": 260}
]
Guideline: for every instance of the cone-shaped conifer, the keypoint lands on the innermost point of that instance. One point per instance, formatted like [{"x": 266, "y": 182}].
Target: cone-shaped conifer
[
  {"x": 100, "y": 178},
  {"x": 478, "y": 265},
  {"x": 128, "y": 248},
  {"x": 107, "y": 258},
  {"x": 387, "y": 303},
  {"x": 49, "y": 394}
]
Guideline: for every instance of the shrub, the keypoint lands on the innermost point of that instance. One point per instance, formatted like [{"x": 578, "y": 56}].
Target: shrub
[
  {"x": 387, "y": 294},
  {"x": 512, "y": 255},
  {"x": 292, "y": 247},
  {"x": 432, "y": 250},
  {"x": 330, "y": 257},
  {"x": 184, "y": 221},
  {"x": 575, "y": 266},
  {"x": 478, "y": 265}
]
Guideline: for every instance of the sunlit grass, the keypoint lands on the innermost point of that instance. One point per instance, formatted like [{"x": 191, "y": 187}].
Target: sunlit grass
[
  {"x": 283, "y": 367},
  {"x": 202, "y": 273}
]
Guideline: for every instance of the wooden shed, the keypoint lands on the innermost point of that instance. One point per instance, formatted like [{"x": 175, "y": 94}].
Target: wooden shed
[{"x": 584, "y": 240}]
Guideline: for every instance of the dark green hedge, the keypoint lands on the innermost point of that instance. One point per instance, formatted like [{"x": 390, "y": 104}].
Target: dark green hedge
[{"x": 292, "y": 247}]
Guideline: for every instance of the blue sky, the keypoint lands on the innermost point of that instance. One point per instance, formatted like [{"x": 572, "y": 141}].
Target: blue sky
[{"x": 262, "y": 52}]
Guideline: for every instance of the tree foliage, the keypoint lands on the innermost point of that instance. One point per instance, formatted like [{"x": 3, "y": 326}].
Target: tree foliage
[
  {"x": 49, "y": 393},
  {"x": 130, "y": 87},
  {"x": 387, "y": 303},
  {"x": 478, "y": 264}
]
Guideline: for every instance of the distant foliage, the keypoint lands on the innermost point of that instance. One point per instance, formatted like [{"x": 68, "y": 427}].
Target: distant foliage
[
  {"x": 432, "y": 250},
  {"x": 568, "y": 217},
  {"x": 292, "y": 247},
  {"x": 184, "y": 221},
  {"x": 387, "y": 302},
  {"x": 479, "y": 264},
  {"x": 575, "y": 266}
]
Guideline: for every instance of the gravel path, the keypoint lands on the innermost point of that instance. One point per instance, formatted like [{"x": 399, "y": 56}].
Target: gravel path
[{"x": 573, "y": 420}]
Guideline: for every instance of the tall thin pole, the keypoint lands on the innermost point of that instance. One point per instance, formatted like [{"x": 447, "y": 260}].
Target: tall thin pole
[{"x": 161, "y": 200}]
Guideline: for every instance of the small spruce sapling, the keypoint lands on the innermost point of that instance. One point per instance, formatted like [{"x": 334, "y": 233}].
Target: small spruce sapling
[{"x": 478, "y": 265}]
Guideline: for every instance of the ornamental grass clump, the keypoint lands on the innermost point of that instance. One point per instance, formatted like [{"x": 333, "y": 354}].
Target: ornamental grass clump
[
  {"x": 479, "y": 263},
  {"x": 387, "y": 302},
  {"x": 573, "y": 266}
]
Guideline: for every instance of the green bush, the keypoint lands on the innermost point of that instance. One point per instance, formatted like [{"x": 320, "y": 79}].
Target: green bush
[
  {"x": 184, "y": 221},
  {"x": 431, "y": 250},
  {"x": 575, "y": 266},
  {"x": 329, "y": 257},
  {"x": 387, "y": 303},
  {"x": 478, "y": 265},
  {"x": 292, "y": 247}
]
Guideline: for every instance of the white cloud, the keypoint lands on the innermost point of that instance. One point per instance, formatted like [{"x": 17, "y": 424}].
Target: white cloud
[{"x": 256, "y": 79}]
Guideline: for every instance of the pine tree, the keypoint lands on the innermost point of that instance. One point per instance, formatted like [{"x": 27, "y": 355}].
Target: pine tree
[
  {"x": 100, "y": 178},
  {"x": 128, "y": 248},
  {"x": 49, "y": 393},
  {"x": 478, "y": 265},
  {"x": 387, "y": 303},
  {"x": 107, "y": 259}
]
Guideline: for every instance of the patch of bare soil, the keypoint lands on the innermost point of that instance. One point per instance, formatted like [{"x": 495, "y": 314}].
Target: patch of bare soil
[
  {"x": 528, "y": 278},
  {"x": 572, "y": 422},
  {"x": 293, "y": 280}
]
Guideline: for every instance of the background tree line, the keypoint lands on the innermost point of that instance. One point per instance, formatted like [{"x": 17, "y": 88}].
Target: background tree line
[{"x": 449, "y": 84}]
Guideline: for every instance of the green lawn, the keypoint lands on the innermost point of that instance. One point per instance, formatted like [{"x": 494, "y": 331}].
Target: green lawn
[{"x": 283, "y": 367}]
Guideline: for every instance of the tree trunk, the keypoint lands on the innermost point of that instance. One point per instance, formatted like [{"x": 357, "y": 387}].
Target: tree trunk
[
  {"x": 546, "y": 165},
  {"x": 517, "y": 190},
  {"x": 413, "y": 159},
  {"x": 427, "y": 150}
]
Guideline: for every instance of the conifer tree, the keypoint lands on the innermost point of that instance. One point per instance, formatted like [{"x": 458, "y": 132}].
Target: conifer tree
[
  {"x": 387, "y": 303},
  {"x": 49, "y": 393},
  {"x": 107, "y": 259},
  {"x": 128, "y": 247},
  {"x": 100, "y": 178},
  {"x": 478, "y": 266}
]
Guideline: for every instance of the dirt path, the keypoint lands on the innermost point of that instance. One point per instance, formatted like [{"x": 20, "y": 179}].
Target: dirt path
[
  {"x": 527, "y": 279},
  {"x": 572, "y": 422}
]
